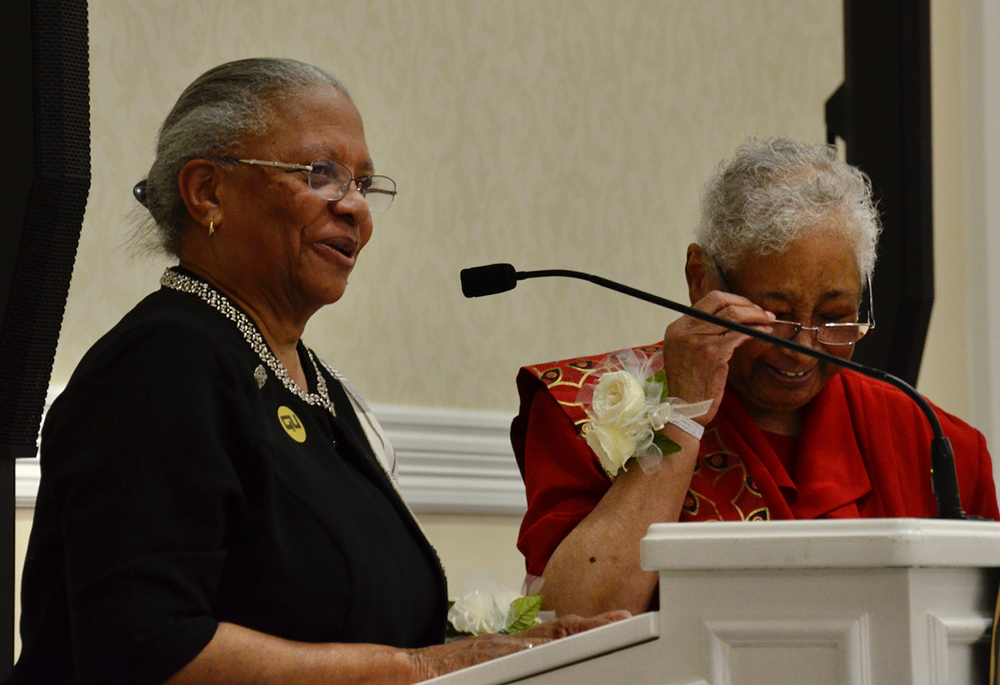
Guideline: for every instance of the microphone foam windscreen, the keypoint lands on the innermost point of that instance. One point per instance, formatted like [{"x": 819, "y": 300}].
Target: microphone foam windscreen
[{"x": 488, "y": 280}]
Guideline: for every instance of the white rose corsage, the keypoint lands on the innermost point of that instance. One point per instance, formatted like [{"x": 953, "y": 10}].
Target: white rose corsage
[
  {"x": 628, "y": 406},
  {"x": 498, "y": 610}
]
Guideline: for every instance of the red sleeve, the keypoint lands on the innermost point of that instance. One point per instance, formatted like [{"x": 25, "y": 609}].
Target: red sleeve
[{"x": 563, "y": 480}]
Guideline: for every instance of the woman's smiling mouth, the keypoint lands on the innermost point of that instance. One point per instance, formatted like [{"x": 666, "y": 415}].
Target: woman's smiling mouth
[{"x": 788, "y": 375}]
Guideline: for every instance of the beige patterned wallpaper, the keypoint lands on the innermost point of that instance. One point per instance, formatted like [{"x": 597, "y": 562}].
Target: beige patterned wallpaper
[{"x": 545, "y": 133}]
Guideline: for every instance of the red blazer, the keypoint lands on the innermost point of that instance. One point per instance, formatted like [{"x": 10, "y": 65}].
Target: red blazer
[{"x": 864, "y": 452}]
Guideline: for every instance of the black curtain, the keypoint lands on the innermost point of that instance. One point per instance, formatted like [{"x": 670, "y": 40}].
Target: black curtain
[{"x": 882, "y": 112}]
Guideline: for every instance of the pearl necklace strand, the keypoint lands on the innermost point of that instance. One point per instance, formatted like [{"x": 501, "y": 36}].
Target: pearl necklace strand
[{"x": 177, "y": 281}]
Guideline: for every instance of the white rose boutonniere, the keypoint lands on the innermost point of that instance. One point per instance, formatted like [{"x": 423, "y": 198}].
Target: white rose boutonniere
[{"x": 628, "y": 406}]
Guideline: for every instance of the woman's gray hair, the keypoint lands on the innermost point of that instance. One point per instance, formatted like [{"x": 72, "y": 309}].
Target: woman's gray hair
[
  {"x": 222, "y": 107},
  {"x": 773, "y": 192}
]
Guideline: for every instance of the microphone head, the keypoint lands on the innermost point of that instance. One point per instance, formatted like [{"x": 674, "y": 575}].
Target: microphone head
[{"x": 488, "y": 280}]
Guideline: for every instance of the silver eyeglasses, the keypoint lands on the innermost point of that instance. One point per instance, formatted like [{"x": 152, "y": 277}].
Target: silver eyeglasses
[
  {"x": 332, "y": 181},
  {"x": 832, "y": 333}
]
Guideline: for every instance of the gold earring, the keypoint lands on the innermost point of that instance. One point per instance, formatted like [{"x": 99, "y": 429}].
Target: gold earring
[{"x": 211, "y": 227}]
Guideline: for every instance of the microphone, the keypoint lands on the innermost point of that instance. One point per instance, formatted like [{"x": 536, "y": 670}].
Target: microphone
[
  {"x": 488, "y": 280},
  {"x": 497, "y": 278}
]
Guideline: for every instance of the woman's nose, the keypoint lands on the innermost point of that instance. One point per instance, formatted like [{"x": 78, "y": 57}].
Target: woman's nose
[
  {"x": 353, "y": 204},
  {"x": 807, "y": 337}
]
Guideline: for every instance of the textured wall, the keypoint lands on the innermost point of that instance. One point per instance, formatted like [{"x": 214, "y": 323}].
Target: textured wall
[{"x": 571, "y": 133}]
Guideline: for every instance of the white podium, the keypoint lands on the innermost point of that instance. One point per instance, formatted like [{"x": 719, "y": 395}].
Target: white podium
[{"x": 864, "y": 602}]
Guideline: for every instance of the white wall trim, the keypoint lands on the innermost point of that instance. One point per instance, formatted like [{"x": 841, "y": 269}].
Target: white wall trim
[
  {"x": 27, "y": 473},
  {"x": 454, "y": 461},
  {"x": 450, "y": 461}
]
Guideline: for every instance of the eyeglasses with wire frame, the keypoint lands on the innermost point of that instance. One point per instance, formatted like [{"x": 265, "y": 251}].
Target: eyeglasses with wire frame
[
  {"x": 332, "y": 181},
  {"x": 831, "y": 333}
]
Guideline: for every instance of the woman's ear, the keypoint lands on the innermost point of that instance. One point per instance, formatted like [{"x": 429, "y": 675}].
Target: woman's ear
[
  {"x": 197, "y": 183},
  {"x": 700, "y": 277}
]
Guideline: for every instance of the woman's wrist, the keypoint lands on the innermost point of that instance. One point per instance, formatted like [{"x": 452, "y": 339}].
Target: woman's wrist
[{"x": 411, "y": 666}]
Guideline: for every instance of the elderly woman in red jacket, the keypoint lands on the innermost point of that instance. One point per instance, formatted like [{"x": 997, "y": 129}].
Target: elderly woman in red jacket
[{"x": 787, "y": 243}]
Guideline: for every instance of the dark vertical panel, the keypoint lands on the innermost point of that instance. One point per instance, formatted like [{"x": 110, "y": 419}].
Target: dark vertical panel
[
  {"x": 44, "y": 182},
  {"x": 883, "y": 113}
]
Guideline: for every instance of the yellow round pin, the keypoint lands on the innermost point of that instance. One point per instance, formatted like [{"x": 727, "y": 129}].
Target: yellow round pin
[{"x": 291, "y": 423}]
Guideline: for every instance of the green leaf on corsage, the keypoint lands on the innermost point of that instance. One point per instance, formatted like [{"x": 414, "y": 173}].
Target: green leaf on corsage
[
  {"x": 666, "y": 445},
  {"x": 522, "y": 614},
  {"x": 661, "y": 378}
]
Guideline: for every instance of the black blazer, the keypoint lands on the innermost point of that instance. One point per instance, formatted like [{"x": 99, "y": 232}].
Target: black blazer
[{"x": 177, "y": 492}]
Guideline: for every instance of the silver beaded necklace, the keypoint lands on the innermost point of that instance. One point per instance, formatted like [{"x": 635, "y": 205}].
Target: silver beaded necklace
[{"x": 185, "y": 284}]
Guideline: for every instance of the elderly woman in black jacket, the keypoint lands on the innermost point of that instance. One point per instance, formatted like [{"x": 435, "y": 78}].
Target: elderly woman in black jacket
[{"x": 216, "y": 505}]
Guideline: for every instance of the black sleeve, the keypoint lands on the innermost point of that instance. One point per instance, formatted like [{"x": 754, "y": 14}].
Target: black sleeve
[{"x": 139, "y": 454}]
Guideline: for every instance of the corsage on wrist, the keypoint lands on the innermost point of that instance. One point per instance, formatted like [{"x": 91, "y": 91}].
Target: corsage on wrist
[{"x": 628, "y": 406}]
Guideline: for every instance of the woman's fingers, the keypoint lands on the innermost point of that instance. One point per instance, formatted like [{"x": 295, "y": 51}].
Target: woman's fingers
[
  {"x": 571, "y": 624},
  {"x": 431, "y": 662},
  {"x": 696, "y": 353},
  {"x": 732, "y": 308}
]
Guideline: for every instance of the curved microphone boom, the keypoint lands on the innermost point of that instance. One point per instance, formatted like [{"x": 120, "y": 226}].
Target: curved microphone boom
[{"x": 497, "y": 278}]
